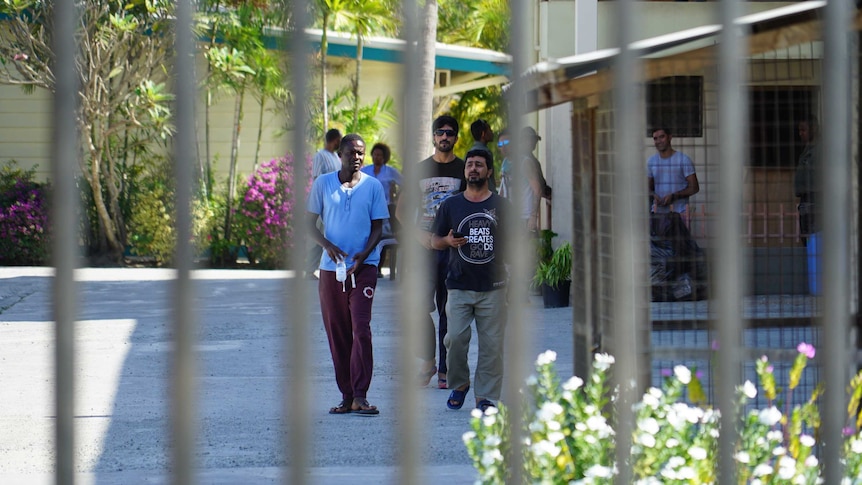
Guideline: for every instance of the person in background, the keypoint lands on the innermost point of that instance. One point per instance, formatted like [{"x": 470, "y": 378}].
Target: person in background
[
  {"x": 482, "y": 135},
  {"x": 352, "y": 206},
  {"x": 805, "y": 178},
  {"x": 445, "y": 179},
  {"x": 324, "y": 161},
  {"x": 529, "y": 175},
  {"x": 505, "y": 147},
  {"x": 388, "y": 176},
  {"x": 671, "y": 174},
  {"x": 467, "y": 227},
  {"x": 391, "y": 180}
]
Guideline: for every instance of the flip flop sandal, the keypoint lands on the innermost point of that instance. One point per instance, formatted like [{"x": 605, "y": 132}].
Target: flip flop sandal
[
  {"x": 365, "y": 409},
  {"x": 342, "y": 408},
  {"x": 484, "y": 404},
  {"x": 456, "y": 398}
]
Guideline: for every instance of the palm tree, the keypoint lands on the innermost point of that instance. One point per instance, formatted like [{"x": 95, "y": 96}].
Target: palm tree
[
  {"x": 369, "y": 17},
  {"x": 334, "y": 14}
]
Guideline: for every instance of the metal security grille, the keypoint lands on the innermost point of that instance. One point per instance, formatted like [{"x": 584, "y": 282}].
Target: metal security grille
[{"x": 745, "y": 95}]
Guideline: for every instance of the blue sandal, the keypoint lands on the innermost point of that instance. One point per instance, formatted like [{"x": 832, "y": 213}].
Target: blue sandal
[
  {"x": 457, "y": 398},
  {"x": 484, "y": 404}
]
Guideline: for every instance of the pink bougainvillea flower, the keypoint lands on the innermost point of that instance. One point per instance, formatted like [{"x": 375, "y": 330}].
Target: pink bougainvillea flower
[{"x": 20, "y": 57}]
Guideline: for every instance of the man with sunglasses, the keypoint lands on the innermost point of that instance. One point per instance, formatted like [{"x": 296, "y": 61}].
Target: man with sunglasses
[{"x": 443, "y": 177}]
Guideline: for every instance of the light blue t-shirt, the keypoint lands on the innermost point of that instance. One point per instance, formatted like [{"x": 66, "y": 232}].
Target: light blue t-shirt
[
  {"x": 347, "y": 215},
  {"x": 669, "y": 176},
  {"x": 388, "y": 176}
]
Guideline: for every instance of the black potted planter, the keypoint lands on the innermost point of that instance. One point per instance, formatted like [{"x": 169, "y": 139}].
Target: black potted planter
[{"x": 556, "y": 297}]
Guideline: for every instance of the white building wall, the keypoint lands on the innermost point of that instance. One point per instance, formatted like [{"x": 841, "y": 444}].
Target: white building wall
[{"x": 25, "y": 123}]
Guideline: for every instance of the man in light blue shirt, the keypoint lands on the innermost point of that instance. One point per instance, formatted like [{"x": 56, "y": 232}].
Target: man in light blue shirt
[
  {"x": 352, "y": 206},
  {"x": 672, "y": 179}
]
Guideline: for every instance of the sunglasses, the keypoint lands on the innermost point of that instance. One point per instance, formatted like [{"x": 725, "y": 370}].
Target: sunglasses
[
  {"x": 502, "y": 143},
  {"x": 449, "y": 133}
]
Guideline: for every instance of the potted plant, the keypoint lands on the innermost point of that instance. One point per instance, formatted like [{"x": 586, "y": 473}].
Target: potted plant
[{"x": 554, "y": 277}]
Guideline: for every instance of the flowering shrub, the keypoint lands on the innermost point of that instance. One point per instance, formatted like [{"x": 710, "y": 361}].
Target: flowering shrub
[
  {"x": 24, "y": 232},
  {"x": 265, "y": 216},
  {"x": 568, "y": 438}
]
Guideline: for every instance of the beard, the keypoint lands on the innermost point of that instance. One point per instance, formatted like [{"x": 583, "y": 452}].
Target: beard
[
  {"x": 477, "y": 181},
  {"x": 445, "y": 146}
]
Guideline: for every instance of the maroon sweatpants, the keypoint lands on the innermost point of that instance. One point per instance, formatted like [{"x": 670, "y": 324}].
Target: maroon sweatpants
[{"x": 347, "y": 318}]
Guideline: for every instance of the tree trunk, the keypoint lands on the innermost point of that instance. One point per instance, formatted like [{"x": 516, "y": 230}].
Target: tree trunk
[
  {"x": 259, "y": 133},
  {"x": 234, "y": 155},
  {"x": 105, "y": 220},
  {"x": 324, "y": 44},
  {"x": 427, "y": 52},
  {"x": 359, "y": 48}
]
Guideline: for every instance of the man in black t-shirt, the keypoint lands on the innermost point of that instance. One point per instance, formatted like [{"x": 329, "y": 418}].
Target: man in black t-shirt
[
  {"x": 444, "y": 177},
  {"x": 467, "y": 225}
]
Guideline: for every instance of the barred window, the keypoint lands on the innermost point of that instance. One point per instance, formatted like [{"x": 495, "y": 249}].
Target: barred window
[{"x": 675, "y": 102}]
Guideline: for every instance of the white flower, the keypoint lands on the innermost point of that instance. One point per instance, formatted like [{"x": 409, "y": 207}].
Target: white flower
[
  {"x": 697, "y": 453},
  {"x": 549, "y": 411},
  {"x": 807, "y": 441},
  {"x": 546, "y": 357},
  {"x": 811, "y": 461},
  {"x": 742, "y": 457},
  {"x": 682, "y": 373},
  {"x": 655, "y": 392},
  {"x": 603, "y": 361},
  {"x": 774, "y": 435},
  {"x": 856, "y": 446},
  {"x": 762, "y": 470},
  {"x": 468, "y": 436},
  {"x": 779, "y": 451},
  {"x": 545, "y": 447},
  {"x": 749, "y": 390},
  {"x": 536, "y": 427},
  {"x": 647, "y": 440},
  {"x": 554, "y": 425},
  {"x": 769, "y": 416},
  {"x": 491, "y": 411},
  {"x": 476, "y": 413},
  {"x": 686, "y": 473},
  {"x": 786, "y": 467},
  {"x": 598, "y": 471},
  {"x": 556, "y": 436},
  {"x": 489, "y": 420},
  {"x": 574, "y": 383},
  {"x": 650, "y": 400},
  {"x": 493, "y": 441},
  {"x": 489, "y": 457},
  {"x": 672, "y": 443},
  {"x": 649, "y": 425},
  {"x": 590, "y": 439}
]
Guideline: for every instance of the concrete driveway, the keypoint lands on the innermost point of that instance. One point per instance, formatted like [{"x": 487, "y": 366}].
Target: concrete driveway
[{"x": 123, "y": 342}]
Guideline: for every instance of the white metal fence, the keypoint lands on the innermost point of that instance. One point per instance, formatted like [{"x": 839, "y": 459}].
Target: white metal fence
[{"x": 620, "y": 278}]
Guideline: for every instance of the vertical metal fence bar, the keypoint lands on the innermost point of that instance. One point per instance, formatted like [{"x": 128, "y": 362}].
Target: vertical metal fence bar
[
  {"x": 64, "y": 160},
  {"x": 834, "y": 212},
  {"x": 183, "y": 409},
  {"x": 729, "y": 282},
  {"x": 413, "y": 285},
  {"x": 630, "y": 324},
  {"x": 296, "y": 408},
  {"x": 517, "y": 336}
]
